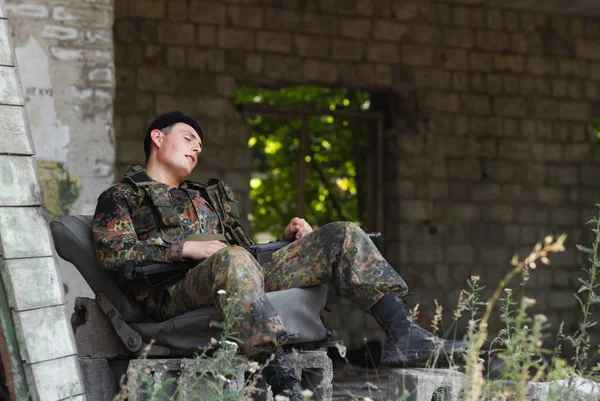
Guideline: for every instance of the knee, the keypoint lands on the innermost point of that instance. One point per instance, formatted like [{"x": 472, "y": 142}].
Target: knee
[
  {"x": 237, "y": 260},
  {"x": 344, "y": 228}
]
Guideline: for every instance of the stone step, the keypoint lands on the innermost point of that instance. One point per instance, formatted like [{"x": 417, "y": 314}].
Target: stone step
[{"x": 314, "y": 367}]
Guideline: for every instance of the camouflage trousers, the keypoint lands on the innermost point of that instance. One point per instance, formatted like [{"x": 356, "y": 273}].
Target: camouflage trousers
[{"x": 340, "y": 253}]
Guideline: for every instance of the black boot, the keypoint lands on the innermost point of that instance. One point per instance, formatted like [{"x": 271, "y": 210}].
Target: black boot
[
  {"x": 407, "y": 344},
  {"x": 281, "y": 376}
]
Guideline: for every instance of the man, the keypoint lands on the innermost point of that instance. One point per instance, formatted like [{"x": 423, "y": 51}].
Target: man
[{"x": 154, "y": 215}]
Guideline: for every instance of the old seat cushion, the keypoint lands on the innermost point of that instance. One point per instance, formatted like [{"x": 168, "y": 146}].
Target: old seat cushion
[{"x": 299, "y": 308}]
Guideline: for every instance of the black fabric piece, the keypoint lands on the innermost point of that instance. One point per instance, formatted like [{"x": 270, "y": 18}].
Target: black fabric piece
[
  {"x": 390, "y": 309},
  {"x": 169, "y": 119}
]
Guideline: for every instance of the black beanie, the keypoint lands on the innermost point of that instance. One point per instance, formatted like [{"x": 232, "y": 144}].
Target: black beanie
[{"x": 167, "y": 120}]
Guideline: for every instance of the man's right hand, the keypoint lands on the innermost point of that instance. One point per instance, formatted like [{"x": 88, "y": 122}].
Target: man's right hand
[{"x": 201, "y": 249}]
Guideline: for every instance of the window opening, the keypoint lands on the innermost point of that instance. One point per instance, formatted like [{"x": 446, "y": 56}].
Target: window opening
[{"x": 315, "y": 155}]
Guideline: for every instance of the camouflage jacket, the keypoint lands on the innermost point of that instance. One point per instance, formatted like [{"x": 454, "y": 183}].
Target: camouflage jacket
[{"x": 124, "y": 238}]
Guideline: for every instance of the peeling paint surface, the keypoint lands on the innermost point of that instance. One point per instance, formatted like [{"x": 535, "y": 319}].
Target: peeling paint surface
[{"x": 50, "y": 136}]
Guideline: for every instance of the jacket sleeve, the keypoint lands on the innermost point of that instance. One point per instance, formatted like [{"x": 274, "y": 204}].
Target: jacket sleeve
[{"x": 116, "y": 244}]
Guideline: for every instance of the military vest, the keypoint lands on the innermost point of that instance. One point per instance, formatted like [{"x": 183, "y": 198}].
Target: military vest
[{"x": 217, "y": 194}]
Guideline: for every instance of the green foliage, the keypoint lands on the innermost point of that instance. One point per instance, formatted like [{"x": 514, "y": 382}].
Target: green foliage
[{"x": 335, "y": 160}]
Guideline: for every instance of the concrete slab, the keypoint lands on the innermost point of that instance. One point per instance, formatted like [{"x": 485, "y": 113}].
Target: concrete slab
[
  {"x": 19, "y": 182},
  {"x": 575, "y": 389},
  {"x": 57, "y": 379},
  {"x": 15, "y": 137},
  {"x": 32, "y": 283},
  {"x": 10, "y": 86},
  {"x": 6, "y": 53},
  {"x": 99, "y": 379},
  {"x": 25, "y": 232},
  {"x": 424, "y": 384},
  {"x": 44, "y": 334},
  {"x": 315, "y": 368}
]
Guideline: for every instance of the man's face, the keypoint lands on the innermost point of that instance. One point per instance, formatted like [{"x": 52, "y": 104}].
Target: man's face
[{"x": 180, "y": 148}]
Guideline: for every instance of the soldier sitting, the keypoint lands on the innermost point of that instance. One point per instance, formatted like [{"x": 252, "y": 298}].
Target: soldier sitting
[{"x": 155, "y": 216}]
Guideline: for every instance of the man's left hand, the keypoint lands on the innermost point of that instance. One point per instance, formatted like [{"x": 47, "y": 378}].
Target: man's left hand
[{"x": 296, "y": 229}]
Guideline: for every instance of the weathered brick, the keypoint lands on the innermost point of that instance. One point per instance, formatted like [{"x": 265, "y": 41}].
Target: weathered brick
[
  {"x": 591, "y": 91},
  {"x": 284, "y": 20},
  {"x": 389, "y": 30},
  {"x": 176, "y": 33},
  {"x": 495, "y": 41},
  {"x": 494, "y": 19},
  {"x": 207, "y": 12},
  {"x": 501, "y": 213},
  {"x": 59, "y": 32},
  {"x": 287, "y": 67},
  {"x": 176, "y": 57},
  {"x": 574, "y": 90},
  {"x": 509, "y": 62},
  {"x": 215, "y": 60},
  {"x": 196, "y": 60},
  {"x": 405, "y": 11},
  {"x": 476, "y": 104},
  {"x": 462, "y": 254},
  {"x": 572, "y": 110},
  {"x": 428, "y": 254},
  {"x": 348, "y": 74},
  {"x": 500, "y": 170},
  {"x": 587, "y": 49},
  {"x": 383, "y": 75},
  {"x": 414, "y": 210},
  {"x": 458, "y": 37},
  {"x": 573, "y": 68},
  {"x": 551, "y": 152},
  {"x": 312, "y": 46},
  {"x": 359, "y": 28},
  {"x": 511, "y": 106},
  {"x": 510, "y": 84},
  {"x": 383, "y": 52},
  {"x": 564, "y": 175},
  {"x": 481, "y": 61},
  {"x": 194, "y": 82},
  {"x": 365, "y": 73},
  {"x": 320, "y": 24},
  {"x": 206, "y": 35},
  {"x": 551, "y": 195},
  {"x": 463, "y": 169},
  {"x": 578, "y": 153},
  {"x": 463, "y": 212},
  {"x": 254, "y": 63},
  {"x": 149, "y": 31},
  {"x": 460, "y": 81},
  {"x": 559, "y": 88},
  {"x": 541, "y": 66},
  {"x": 247, "y": 17},
  {"x": 424, "y": 34},
  {"x": 484, "y": 192},
  {"x": 232, "y": 38},
  {"x": 417, "y": 55},
  {"x": 155, "y": 80},
  {"x": 432, "y": 78},
  {"x": 153, "y": 9},
  {"x": 514, "y": 150},
  {"x": 320, "y": 71},
  {"x": 460, "y": 16},
  {"x": 546, "y": 109},
  {"x": 452, "y": 59},
  {"x": 350, "y": 50},
  {"x": 274, "y": 41},
  {"x": 178, "y": 10},
  {"x": 532, "y": 215},
  {"x": 442, "y": 101}
]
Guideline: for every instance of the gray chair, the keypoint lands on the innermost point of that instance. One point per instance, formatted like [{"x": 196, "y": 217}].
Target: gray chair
[{"x": 184, "y": 335}]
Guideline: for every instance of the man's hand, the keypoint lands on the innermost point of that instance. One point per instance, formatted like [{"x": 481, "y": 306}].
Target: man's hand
[
  {"x": 297, "y": 229},
  {"x": 201, "y": 249}
]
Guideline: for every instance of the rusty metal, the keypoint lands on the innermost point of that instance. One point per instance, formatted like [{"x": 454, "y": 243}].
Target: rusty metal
[{"x": 304, "y": 138}]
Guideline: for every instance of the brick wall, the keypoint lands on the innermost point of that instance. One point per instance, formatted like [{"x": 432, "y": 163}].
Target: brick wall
[{"x": 488, "y": 143}]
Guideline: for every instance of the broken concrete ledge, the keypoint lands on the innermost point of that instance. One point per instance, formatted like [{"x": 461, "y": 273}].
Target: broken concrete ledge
[{"x": 444, "y": 384}]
